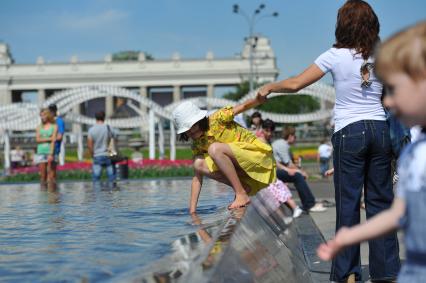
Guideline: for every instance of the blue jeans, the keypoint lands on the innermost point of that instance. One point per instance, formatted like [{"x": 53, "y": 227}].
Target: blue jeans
[
  {"x": 362, "y": 159},
  {"x": 324, "y": 165},
  {"x": 305, "y": 193},
  {"x": 98, "y": 163}
]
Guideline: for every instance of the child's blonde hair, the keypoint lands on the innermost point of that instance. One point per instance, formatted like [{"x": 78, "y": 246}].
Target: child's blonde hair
[
  {"x": 49, "y": 115},
  {"x": 404, "y": 52}
]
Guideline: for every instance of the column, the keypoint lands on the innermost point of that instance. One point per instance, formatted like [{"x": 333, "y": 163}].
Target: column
[
  {"x": 76, "y": 128},
  {"x": 41, "y": 96},
  {"x": 160, "y": 139},
  {"x": 5, "y": 96},
  {"x": 210, "y": 94},
  {"x": 172, "y": 141},
  {"x": 80, "y": 147},
  {"x": 109, "y": 106},
  {"x": 176, "y": 93},
  {"x": 210, "y": 90},
  {"x": 6, "y": 139},
  {"x": 143, "y": 91},
  {"x": 151, "y": 134}
]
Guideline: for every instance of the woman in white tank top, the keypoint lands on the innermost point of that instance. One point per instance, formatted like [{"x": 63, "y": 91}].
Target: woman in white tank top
[{"x": 362, "y": 148}]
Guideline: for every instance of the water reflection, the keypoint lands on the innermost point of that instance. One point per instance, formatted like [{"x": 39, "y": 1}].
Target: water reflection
[
  {"x": 75, "y": 231},
  {"x": 53, "y": 196}
]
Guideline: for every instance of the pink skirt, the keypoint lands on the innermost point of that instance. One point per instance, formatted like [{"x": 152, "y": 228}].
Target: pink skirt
[{"x": 276, "y": 194}]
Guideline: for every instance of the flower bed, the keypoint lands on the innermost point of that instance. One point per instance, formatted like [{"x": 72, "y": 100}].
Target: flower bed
[{"x": 82, "y": 170}]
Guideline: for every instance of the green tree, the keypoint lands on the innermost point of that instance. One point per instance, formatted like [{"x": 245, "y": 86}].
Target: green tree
[
  {"x": 292, "y": 104},
  {"x": 130, "y": 55}
]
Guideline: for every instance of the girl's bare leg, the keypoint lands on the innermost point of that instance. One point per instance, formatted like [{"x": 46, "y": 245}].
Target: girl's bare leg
[
  {"x": 224, "y": 158},
  {"x": 52, "y": 171},
  {"x": 201, "y": 167},
  {"x": 51, "y": 174},
  {"x": 291, "y": 203},
  {"x": 43, "y": 173}
]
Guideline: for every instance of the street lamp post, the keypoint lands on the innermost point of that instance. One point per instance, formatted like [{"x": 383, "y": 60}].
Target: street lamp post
[{"x": 252, "y": 21}]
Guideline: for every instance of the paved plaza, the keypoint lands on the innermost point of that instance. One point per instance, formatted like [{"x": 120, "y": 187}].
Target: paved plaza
[{"x": 325, "y": 222}]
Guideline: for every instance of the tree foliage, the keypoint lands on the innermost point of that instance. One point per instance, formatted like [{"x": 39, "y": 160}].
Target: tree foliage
[{"x": 130, "y": 55}]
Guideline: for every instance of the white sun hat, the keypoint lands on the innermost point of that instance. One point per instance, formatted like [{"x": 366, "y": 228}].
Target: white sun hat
[{"x": 185, "y": 115}]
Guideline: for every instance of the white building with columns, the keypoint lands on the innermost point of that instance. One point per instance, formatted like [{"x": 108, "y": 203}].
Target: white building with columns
[{"x": 163, "y": 80}]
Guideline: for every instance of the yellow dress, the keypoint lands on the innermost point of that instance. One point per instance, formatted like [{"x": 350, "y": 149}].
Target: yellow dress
[{"x": 254, "y": 156}]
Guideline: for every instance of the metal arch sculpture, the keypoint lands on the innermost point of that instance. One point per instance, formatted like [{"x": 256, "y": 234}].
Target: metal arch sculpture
[
  {"x": 19, "y": 116},
  {"x": 24, "y": 116},
  {"x": 318, "y": 90},
  {"x": 67, "y": 99}
]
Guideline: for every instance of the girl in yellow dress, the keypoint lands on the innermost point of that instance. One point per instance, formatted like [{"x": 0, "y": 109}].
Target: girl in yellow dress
[{"x": 225, "y": 151}]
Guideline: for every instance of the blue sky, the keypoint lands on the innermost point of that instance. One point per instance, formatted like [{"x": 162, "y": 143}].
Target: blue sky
[{"x": 304, "y": 29}]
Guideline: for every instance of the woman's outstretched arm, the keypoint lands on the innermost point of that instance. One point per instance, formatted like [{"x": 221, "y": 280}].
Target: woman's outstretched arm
[{"x": 312, "y": 74}]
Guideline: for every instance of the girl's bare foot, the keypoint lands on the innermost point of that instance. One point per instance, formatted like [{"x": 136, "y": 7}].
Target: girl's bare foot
[{"x": 241, "y": 200}]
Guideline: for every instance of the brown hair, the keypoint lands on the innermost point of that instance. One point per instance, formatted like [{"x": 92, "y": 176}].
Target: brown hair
[
  {"x": 357, "y": 27},
  {"x": 288, "y": 131},
  {"x": 404, "y": 52}
]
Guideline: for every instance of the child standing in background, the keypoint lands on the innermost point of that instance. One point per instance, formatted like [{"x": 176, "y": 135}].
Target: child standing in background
[
  {"x": 225, "y": 151},
  {"x": 401, "y": 63},
  {"x": 279, "y": 191},
  {"x": 46, "y": 138},
  {"x": 256, "y": 124}
]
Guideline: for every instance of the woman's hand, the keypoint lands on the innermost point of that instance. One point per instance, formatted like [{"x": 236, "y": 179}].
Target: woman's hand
[
  {"x": 50, "y": 158},
  {"x": 263, "y": 92}
]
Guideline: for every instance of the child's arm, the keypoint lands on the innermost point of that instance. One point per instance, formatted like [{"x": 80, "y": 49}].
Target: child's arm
[
  {"x": 39, "y": 139},
  {"x": 329, "y": 172},
  {"x": 251, "y": 103},
  {"x": 379, "y": 225},
  {"x": 197, "y": 182}
]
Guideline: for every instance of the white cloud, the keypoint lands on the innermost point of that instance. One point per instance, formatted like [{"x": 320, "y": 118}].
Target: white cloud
[{"x": 78, "y": 22}]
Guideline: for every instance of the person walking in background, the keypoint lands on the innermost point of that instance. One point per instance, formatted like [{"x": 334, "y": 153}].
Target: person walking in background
[
  {"x": 280, "y": 192},
  {"x": 288, "y": 172},
  {"x": 324, "y": 154},
  {"x": 98, "y": 140},
  {"x": 361, "y": 140},
  {"x": 59, "y": 135},
  {"x": 401, "y": 63},
  {"x": 45, "y": 138}
]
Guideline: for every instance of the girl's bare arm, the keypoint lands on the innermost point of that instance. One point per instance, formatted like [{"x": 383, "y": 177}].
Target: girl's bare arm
[
  {"x": 251, "y": 103},
  {"x": 197, "y": 182},
  {"x": 39, "y": 139}
]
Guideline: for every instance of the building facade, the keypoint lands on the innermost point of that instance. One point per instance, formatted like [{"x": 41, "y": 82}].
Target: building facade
[{"x": 163, "y": 80}]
